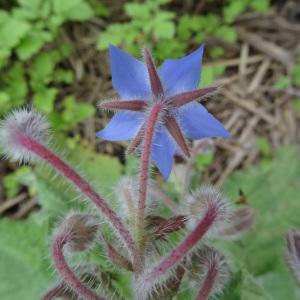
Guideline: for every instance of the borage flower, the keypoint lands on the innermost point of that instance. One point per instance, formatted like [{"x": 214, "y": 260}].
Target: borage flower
[{"x": 174, "y": 85}]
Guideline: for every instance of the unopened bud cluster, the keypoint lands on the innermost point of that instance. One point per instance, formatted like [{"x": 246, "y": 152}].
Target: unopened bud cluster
[
  {"x": 137, "y": 236},
  {"x": 20, "y": 126},
  {"x": 80, "y": 231}
]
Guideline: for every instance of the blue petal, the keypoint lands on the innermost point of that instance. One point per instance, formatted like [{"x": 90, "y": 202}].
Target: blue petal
[
  {"x": 181, "y": 75},
  {"x": 163, "y": 150},
  {"x": 198, "y": 123},
  {"x": 129, "y": 75},
  {"x": 123, "y": 126}
]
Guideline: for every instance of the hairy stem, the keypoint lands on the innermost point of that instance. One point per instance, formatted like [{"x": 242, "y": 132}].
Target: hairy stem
[
  {"x": 66, "y": 272},
  {"x": 58, "y": 164},
  {"x": 208, "y": 283},
  {"x": 55, "y": 292},
  {"x": 177, "y": 254},
  {"x": 144, "y": 175}
]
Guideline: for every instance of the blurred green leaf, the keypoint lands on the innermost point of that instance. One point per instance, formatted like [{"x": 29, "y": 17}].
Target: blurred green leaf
[
  {"x": 65, "y": 76},
  {"x": 44, "y": 100},
  {"x": 251, "y": 289},
  {"x": 11, "y": 182},
  {"x": 274, "y": 193},
  {"x": 24, "y": 267},
  {"x": 226, "y": 33},
  {"x": 76, "y": 112},
  {"x": 15, "y": 84},
  {"x": 11, "y": 30},
  {"x": 296, "y": 75},
  {"x": 296, "y": 105},
  {"x": 260, "y": 5},
  {"x": 282, "y": 83},
  {"x": 233, "y": 9},
  {"x": 210, "y": 73},
  {"x": 74, "y": 10},
  {"x": 32, "y": 43},
  {"x": 203, "y": 160},
  {"x": 263, "y": 146}
]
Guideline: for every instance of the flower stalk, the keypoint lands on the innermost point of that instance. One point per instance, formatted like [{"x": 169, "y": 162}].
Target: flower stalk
[
  {"x": 148, "y": 279},
  {"x": 144, "y": 172},
  {"x": 60, "y": 241},
  {"x": 55, "y": 292},
  {"x": 158, "y": 111},
  {"x": 208, "y": 283},
  {"x": 59, "y": 165}
]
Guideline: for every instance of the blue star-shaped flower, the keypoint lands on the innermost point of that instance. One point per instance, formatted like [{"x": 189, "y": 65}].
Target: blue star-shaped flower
[{"x": 175, "y": 85}]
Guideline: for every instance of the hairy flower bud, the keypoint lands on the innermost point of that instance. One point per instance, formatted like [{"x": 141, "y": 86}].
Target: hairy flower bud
[
  {"x": 203, "y": 200},
  {"x": 213, "y": 272},
  {"x": 20, "y": 126},
  {"x": 126, "y": 193},
  {"x": 80, "y": 231},
  {"x": 240, "y": 222},
  {"x": 293, "y": 253}
]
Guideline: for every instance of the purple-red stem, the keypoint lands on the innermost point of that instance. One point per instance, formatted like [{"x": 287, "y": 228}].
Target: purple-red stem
[
  {"x": 66, "y": 272},
  {"x": 145, "y": 161},
  {"x": 55, "y": 292},
  {"x": 44, "y": 153},
  {"x": 208, "y": 283},
  {"x": 177, "y": 254}
]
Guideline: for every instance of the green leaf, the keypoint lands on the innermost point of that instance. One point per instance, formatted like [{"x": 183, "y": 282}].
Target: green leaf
[
  {"x": 251, "y": 289},
  {"x": 135, "y": 10},
  {"x": 65, "y": 76},
  {"x": 296, "y": 105},
  {"x": 73, "y": 10},
  {"x": 12, "y": 30},
  {"x": 165, "y": 29},
  {"x": 203, "y": 160},
  {"x": 274, "y": 193},
  {"x": 15, "y": 84},
  {"x": 210, "y": 73},
  {"x": 4, "y": 102},
  {"x": 99, "y": 9},
  {"x": 216, "y": 52},
  {"x": 263, "y": 146},
  {"x": 32, "y": 43},
  {"x": 42, "y": 68},
  {"x": 228, "y": 34},
  {"x": 207, "y": 77},
  {"x": 24, "y": 267},
  {"x": 44, "y": 99},
  {"x": 282, "y": 83},
  {"x": 104, "y": 170},
  {"x": 114, "y": 34},
  {"x": 260, "y": 5},
  {"x": 54, "y": 201},
  {"x": 76, "y": 112},
  {"x": 234, "y": 9},
  {"x": 296, "y": 75},
  {"x": 11, "y": 181}
]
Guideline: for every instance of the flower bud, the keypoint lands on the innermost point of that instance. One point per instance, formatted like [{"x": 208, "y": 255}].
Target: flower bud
[
  {"x": 22, "y": 124},
  {"x": 205, "y": 199},
  {"x": 212, "y": 272},
  {"x": 240, "y": 222},
  {"x": 126, "y": 193},
  {"x": 80, "y": 231},
  {"x": 162, "y": 227},
  {"x": 293, "y": 253}
]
